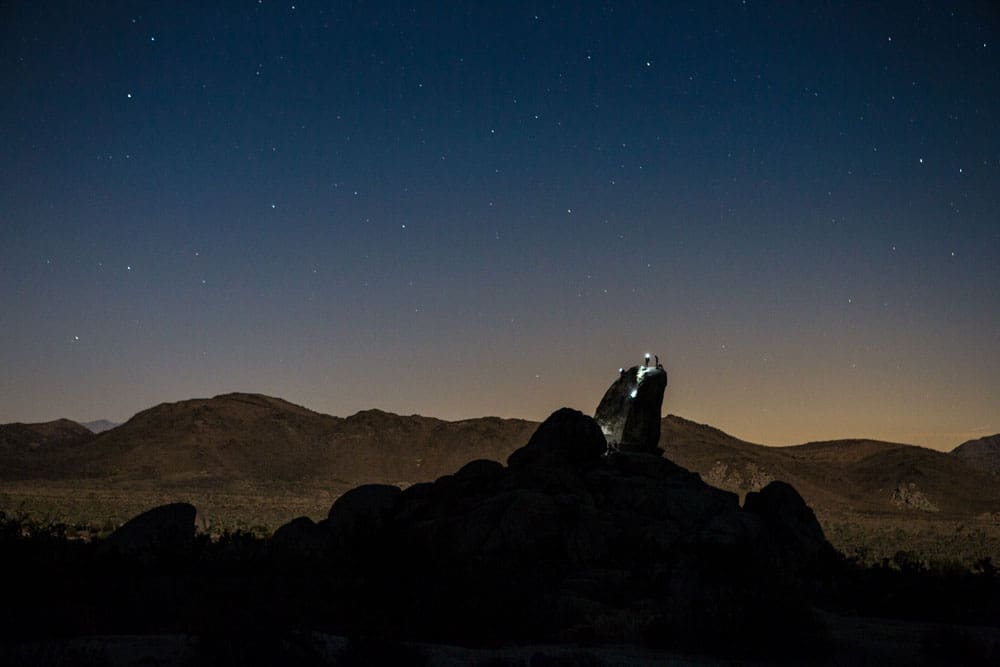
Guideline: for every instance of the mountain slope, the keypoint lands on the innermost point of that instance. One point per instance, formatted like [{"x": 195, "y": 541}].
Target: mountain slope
[
  {"x": 982, "y": 454},
  {"x": 864, "y": 476},
  {"x": 248, "y": 439},
  {"x": 28, "y": 449},
  {"x": 246, "y": 443}
]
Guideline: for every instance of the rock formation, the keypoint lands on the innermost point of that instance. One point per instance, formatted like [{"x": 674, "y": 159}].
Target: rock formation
[
  {"x": 909, "y": 496},
  {"x": 563, "y": 543},
  {"x": 791, "y": 525},
  {"x": 629, "y": 413},
  {"x": 163, "y": 529}
]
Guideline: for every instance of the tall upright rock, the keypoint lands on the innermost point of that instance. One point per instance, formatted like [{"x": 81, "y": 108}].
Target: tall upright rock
[{"x": 629, "y": 413}]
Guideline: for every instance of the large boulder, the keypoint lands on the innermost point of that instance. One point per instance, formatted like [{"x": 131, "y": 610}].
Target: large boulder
[
  {"x": 629, "y": 413},
  {"x": 163, "y": 529},
  {"x": 566, "y": 437},
  {"x": 362, "y": 510},
  {"x": 302, "y": 536},
  {"x": 480, "y": 471},
  {"x": 794, "y": 530}
]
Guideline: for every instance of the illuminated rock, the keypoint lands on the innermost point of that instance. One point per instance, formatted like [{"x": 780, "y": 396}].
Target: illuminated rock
[{"x": 629, "y": 413}]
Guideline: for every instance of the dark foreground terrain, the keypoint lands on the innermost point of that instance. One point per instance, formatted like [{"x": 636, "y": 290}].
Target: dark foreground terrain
[{"x": 563, "y": 556}]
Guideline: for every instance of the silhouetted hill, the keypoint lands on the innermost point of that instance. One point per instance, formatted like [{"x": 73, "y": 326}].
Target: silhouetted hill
[
  {"x": 25, "y": 449},
  {"x": 982, "y": 454},
  {"x": 864, "y": 476}
]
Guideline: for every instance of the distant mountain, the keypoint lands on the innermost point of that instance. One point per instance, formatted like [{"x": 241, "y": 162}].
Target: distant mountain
[
  {"x": 982, "y": 454},
  {"x": 241, "y": 443},
  {"x": 248, "y": 439},
  {"x": 100, "y": 426},
  {"x": 43, "y": 434},
  {"x": 865, "y": 476},
  {"x": 25, "y": 449}
]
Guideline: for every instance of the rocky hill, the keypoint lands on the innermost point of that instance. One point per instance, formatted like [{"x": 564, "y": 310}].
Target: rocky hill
[
  {"x": 42, "y": 435},
  {"x": 28, "y": 449},
  {"x": 237, "y": 439},
  {"x": 982, "y": 454},
  {"x": 862, "y": 476}
]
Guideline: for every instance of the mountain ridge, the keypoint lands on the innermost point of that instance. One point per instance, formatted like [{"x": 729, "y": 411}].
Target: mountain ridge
[
  {"x": 857, "y": 475},
  {"x": 242, "y": 440}
]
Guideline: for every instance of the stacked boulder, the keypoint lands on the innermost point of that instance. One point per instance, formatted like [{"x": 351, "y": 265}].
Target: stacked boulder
[
  {"x": 629, "y": 413},
  {"x": 567, "y": 543}
]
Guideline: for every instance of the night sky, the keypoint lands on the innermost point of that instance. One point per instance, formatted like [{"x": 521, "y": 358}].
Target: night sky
[{"x": 486, "y": 211}]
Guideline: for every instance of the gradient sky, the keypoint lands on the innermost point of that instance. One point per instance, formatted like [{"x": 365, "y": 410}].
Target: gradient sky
[{"x": 486, "y": 211}]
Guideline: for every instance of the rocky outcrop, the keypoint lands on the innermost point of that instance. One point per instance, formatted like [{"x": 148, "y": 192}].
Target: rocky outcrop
[
  {"x": 564, "y": 542},
  {"x": 564, "y": 438},
  {"x": 738, "y": 477},
  {"x": 909, "y": 496},
  {"x": 629, "y": 413}
]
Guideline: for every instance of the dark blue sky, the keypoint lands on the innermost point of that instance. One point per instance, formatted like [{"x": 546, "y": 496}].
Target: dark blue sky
[{"x": 474, "y": 211}]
